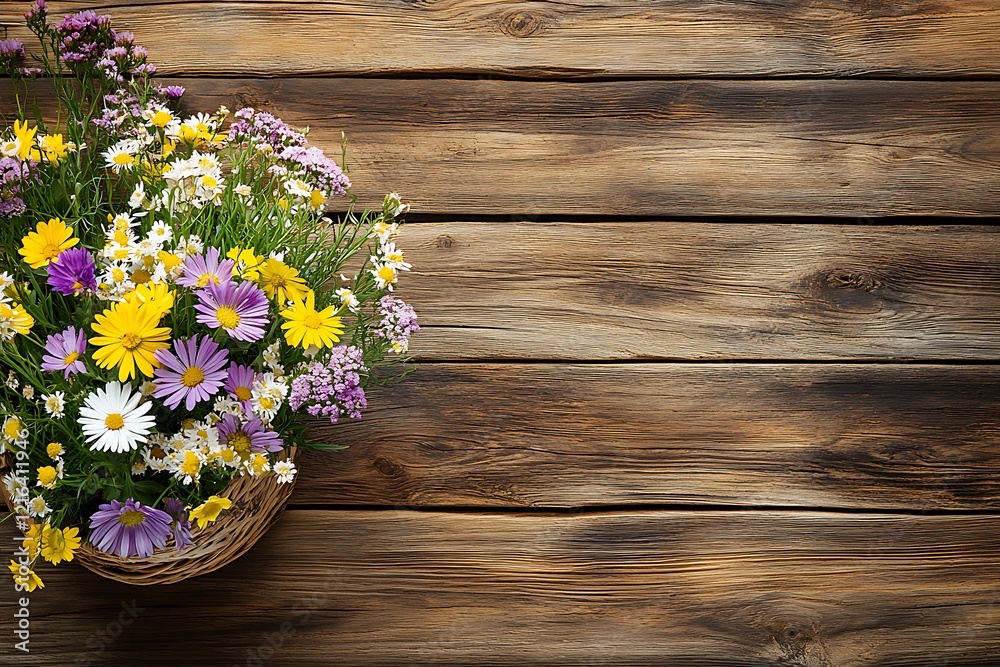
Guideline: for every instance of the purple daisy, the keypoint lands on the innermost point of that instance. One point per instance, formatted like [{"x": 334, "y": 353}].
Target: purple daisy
[
  {"x": 72, "y": 272},
  {"x": 239, "y": 309},
  {"x": 249, "y": 436},
  {"x": 64, "y": 352},
  {"x": 239, "y": 384},
  {"x": 180, "y": 527},
  {"x": 206, "y": 269},
  {"x": 129, "y": 529},
  {"x": 192, "y": 372}
]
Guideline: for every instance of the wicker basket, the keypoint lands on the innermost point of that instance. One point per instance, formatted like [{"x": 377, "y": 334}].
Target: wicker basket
[{"x": 257, "y": 504}]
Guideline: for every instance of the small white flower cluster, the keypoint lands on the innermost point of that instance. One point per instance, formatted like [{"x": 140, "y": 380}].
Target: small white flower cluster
[
  {"x": 387, "y": 262},
  {"x": 129, "y": 260},
  {"x": 199, "y": 445}
]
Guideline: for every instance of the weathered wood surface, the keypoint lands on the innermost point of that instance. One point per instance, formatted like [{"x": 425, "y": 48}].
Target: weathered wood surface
[
  {"x": 688, "y": 291},
  {"x": 817, "y": 435},
  {"x": 539, "y": 39},
  {"x": 664, "y": 588},
  {"x": 848, "y": 148},
  {"x": 655, "y": 148}
]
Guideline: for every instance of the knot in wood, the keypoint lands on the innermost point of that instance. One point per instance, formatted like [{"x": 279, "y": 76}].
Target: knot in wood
[
  {"x": 387, "y": 467},
  {"x": 843, "y": 279},
  {"x": 445, "y": 241},
  {"x": 520, "y": 23}
]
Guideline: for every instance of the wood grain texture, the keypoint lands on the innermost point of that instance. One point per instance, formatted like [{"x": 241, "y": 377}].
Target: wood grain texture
[
  {"x": 516, "y": 290},
  {"x": 544, "y": 39},
  {"x": 648, "y": 588},
  {"x": 817, "y": 435},
  {"x": 849, "y": 148},
  {"x": 653, "y": 148}
]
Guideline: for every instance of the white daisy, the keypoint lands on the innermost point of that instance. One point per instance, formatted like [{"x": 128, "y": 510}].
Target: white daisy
[
  {"x": 37, "y": 507},
  {"x": 138, "y": 197},
  {"x": 10, "y": 147},
  {"x": 384, "y": 231},
  {"x": 160, "y": 232},
  {"x": 5, "y": 282},
  {"x": 394, "y": 205},
  {"x": 285, "y": 470},
  {"x": 28, "y": 392},
  {"x": 394, "y": 258},
  {"x": 121, "y": 156},
  {"x": 243, "y": 190},
  {"x": 139, "y": 468},
  {"x": 347, "y": 298},
  {"x": 113, "y": 419},
  {"x": 385, "y": 275},
  {"x": 55, "y": 403}
]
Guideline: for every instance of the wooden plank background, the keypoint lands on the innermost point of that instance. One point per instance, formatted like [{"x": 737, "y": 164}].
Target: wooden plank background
[{"x": 708, "y": 374}]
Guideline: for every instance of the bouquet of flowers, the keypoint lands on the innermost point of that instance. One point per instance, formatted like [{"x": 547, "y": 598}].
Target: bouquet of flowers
[{"x": 173, "y": 300}]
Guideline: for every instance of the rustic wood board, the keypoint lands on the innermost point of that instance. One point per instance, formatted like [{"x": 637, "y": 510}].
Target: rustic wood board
[
  {"x": 545, "y": 39},
  {"x": 516, "y": 290},
  {"x": 665, "y": 588},
  {"x": 853, "y": 148},
  {"x": 847, "y": 148},
  {"x": 815, "y": 435}
]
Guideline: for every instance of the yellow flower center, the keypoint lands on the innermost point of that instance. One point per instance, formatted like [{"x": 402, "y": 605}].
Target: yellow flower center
[
  {"x": 131, "y": 340},
  {"x": 387, "y": 273},
  {"x": 12, "y": 428},
  {"x": 71, "y": 357},
  {"x": 228, "y": 317},
  {"x": 123, "y": 159},
  {"x": 266, "y": 402},
  {"x": 207, "y": 278},
  {"x": 141, "y": 276},
  {"x": 50, "y": 251},
  {"x": 161, "y": 118},
  {"x": 117, "y": 274},
  {"x": 114, "y": 421},
  {"x": 209, "y": 181},
  {"x": 240, "y": 441},
  {"x": 312, "y": 321},
  {"x": 192, "y": 377},
  {"x": 276, "y": 281},
  {"x": 243, "y": 393},
  {"x": 131, "y": 518}
]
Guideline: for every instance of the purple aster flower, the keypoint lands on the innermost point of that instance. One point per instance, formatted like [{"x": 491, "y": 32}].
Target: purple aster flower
[
  {"x": 239, "y": 384},
  {"x": 72, "y": 272},
  {"x": 206, "y": 269},
  {"x": 173, "y": 92},
  {"x": 332, "y": 388},
  {"x": 247, "y": 436},
  {"x": 64, "y": 352},
  {"x": 192, "y": 372},
  {"x": 180, "y": 527},
  {"x": 239, "y": 309},
  {"x": 129, "y": 529}
]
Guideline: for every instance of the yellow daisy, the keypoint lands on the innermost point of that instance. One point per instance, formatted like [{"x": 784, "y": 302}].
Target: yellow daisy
[
  {"x": 307, "y": 327},
  {"x": 32, "y": 540},
  {"x": 29, "y": 581},
  {"x": 16, "y": 318},
  {"x": 47, "y": 476},
  {"x": 26, "y": 138},
  {"x": 157, "y": 295},
  {"x": 45, "y": 243},
  {"x": 209, "y": 511},
  {"x": 277, "y": 279},
  {"x": 53, "y": 148},
  {"x": 128, "y": 335},
  {"x": 59, "y": 544}
]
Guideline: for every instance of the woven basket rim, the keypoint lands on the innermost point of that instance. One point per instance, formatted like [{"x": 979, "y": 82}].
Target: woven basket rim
[{"x": 257, "y": 504}]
